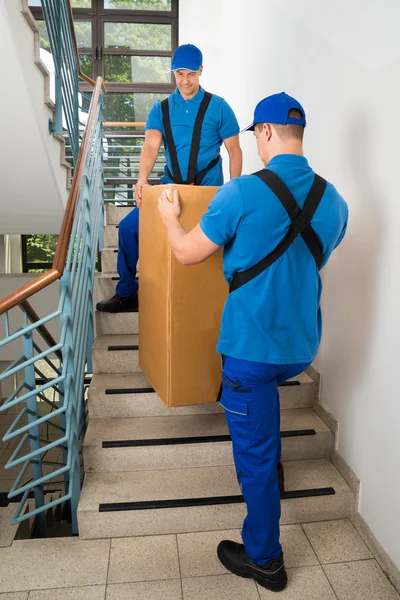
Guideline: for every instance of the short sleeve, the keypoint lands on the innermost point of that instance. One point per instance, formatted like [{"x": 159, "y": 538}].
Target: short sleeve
[
  {"x": 224, "y": 213},
  {"x": 154, "y": 119},
  {"x": 229, "y": 125}
]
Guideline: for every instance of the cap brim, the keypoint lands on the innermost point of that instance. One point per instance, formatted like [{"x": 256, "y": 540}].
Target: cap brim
[
  {"x": 185, "y": 69},
  {"x": 249, "y": 128}
]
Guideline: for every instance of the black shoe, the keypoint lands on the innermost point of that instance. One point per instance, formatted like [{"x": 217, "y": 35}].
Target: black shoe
[
  {"x": 116, "y": 304},
  {"x": 281, "y": 479},
  {"x": 272, "y": 575}
]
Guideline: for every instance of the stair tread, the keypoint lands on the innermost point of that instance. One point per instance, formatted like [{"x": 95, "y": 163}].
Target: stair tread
[
  {"x": 139, "y": 428},
  {"x": 103, "y": 341},
  {"x": 197, "y": 482},
  {"x": 103, "y": 381}
]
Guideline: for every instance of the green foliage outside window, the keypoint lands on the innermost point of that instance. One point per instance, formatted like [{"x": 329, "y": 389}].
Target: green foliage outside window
[{"x": 40, "y": 248}]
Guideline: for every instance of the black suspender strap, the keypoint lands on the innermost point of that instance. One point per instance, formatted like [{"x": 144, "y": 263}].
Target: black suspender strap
[
  {"x": 300, "y": 225},
  {"x": 195, "y": 147},
  {"x": 177, "y": 176},
  {"x": 192, "y": 177}
]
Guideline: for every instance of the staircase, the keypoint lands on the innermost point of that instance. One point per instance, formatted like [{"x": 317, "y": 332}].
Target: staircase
[{"x": 153, "y": 470}]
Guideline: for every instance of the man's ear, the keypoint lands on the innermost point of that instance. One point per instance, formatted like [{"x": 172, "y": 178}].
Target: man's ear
[
  {"x": 267, "y": 129},
  {"x": 201, "y": 70}
]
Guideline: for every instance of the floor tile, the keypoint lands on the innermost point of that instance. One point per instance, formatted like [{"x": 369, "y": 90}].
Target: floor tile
[
  {"x": 14, "y": 596},
  {"x": 69, "y": 561},
  {"x": 336, "y": 541},
  {"x": 95, "y": 592},
  {"x": 360, "y": 581},
  {"x": 220, "y": 587},
  {"x": 306, "y": 583},
  {"x": 198, "y": 552},
  {"x": 296, "y": 547},
  {"x": 143, "y": 559},
  {"x": 146, "y": 590}
]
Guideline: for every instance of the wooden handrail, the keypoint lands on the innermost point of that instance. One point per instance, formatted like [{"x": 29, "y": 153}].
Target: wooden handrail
[
  {"x": 82, "y": 75},
  {"x": 42, "y": 281},
  {"x": 123, "y": 124}
]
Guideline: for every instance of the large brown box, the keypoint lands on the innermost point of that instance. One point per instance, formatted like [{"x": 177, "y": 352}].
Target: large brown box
[{"x": 180, "y": 307}]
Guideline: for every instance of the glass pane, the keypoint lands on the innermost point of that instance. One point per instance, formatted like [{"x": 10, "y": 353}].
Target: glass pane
[
  {"x": 86, "y": 64},
  {"x": 81, "y": 3},
  {"x": 138, "y": 4},
  {"x": 129, "y": 106},
  {"x": 137, "y": 36},
  {"x": 143, "y": 69},
  {"x": 83, "y": 30},
  {"x": 44, "y": 37}
]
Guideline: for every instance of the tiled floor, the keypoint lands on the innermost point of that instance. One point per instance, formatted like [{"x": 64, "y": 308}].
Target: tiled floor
[{"x": 325, "y": 561}]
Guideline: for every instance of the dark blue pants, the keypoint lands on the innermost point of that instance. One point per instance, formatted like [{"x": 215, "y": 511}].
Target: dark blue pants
[
  {"x": 250, "y": 398},
  {"x": 128, "y": 254}
]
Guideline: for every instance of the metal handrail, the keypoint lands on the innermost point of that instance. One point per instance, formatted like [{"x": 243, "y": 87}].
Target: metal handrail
[
  {"x": 60, "y": 364},
  {"x": 64, "y": 48}
]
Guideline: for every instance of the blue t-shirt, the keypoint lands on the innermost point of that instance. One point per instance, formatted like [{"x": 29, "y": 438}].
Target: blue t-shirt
[
  {"x": 276, "y": 317},
  {"x": 219, "y": 124}
]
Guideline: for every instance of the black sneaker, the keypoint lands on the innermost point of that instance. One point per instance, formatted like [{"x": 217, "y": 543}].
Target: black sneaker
[
  {"x": 116, "y": 304},
  {"x": 281, "y": 479},
  {"x": 272, "y": 575}
]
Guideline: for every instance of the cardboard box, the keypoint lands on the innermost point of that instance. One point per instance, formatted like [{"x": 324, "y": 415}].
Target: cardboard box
[{"x": 180, "y": 307}]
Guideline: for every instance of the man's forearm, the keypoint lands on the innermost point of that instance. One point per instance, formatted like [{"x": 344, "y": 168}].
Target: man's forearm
[
  {"x": 148, "y": 159},
  {"x": 235, "y": 163}
]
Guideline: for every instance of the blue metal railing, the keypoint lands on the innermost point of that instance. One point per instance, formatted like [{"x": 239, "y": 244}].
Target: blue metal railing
[
  {"x": 59, "y": 23},
  {"x": 49, "y": 418}
]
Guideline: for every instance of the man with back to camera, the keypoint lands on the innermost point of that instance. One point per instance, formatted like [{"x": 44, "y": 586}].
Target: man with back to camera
[
  {"x": 278, "y": 228},
  {"x": 193, "y": 124}
]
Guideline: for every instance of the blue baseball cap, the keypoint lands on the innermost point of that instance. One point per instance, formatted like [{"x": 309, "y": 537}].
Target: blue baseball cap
[
  {"x": 187, "y": 57},
  {"x": 275, "y": 109}
]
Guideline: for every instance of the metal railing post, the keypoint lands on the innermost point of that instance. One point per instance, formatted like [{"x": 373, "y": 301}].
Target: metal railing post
[{"x": 34, "y": 433}]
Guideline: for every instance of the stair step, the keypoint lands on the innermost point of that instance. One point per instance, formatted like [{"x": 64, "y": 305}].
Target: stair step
[
  {"x": 191, "y": 441},
  {"x": 104, "y": 285},
  {"x": 104, "y": 405},
  {"x": 114, "y": 214},
  {"x": 109, "y": 259},
  {"x": 116, "y": 323},
  {"x": 116, "y": 354},
  {"x": 110, "y": 236},
  {"x": 199, "y": 483}
]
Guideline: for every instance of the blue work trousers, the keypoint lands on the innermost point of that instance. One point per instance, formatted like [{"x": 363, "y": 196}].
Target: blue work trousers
[
  {"x": 250, "y": 398},
  {"x": 128, "y": 254}
]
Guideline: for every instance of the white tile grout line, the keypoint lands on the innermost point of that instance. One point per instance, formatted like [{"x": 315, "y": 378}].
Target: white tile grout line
[
  {"x": 320, "y": 564},
  {"x": 108, "y": 570},
  {"x": 179, "y": 564}
]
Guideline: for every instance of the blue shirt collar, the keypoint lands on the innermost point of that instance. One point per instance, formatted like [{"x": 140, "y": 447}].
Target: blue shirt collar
[
  {"x": 292, "y": 159},
  {"x": 195, "y": 100}
]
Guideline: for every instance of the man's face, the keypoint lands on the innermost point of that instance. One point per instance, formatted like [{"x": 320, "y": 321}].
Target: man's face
[{"x": 188, "y": 82}]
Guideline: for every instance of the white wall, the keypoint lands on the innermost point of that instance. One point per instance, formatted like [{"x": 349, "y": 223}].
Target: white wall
[
  {"x": 33, "y": 190},
  {"x": 342, "y": 61}
]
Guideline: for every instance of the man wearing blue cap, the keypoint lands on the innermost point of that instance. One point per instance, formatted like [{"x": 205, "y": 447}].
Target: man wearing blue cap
[
  {"x": 192, "y": 124},
  {"x": 278, "y": 228}
]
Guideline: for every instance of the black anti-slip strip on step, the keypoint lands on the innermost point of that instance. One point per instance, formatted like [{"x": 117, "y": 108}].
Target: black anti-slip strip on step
[
  {"x": 143, "y": 390},
  {"x": 212, "y": 501},
  {"x": 179, "y": 441},
  {"x": 115, "y": 278},
  {"x": 289, "y": 383},
  {"x": 121, "y": 348}
]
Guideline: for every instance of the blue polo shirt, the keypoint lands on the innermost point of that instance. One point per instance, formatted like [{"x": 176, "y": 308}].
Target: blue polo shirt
[
  {"x": 276, "y": 317},
  {"x": 219, "y": 124}
]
